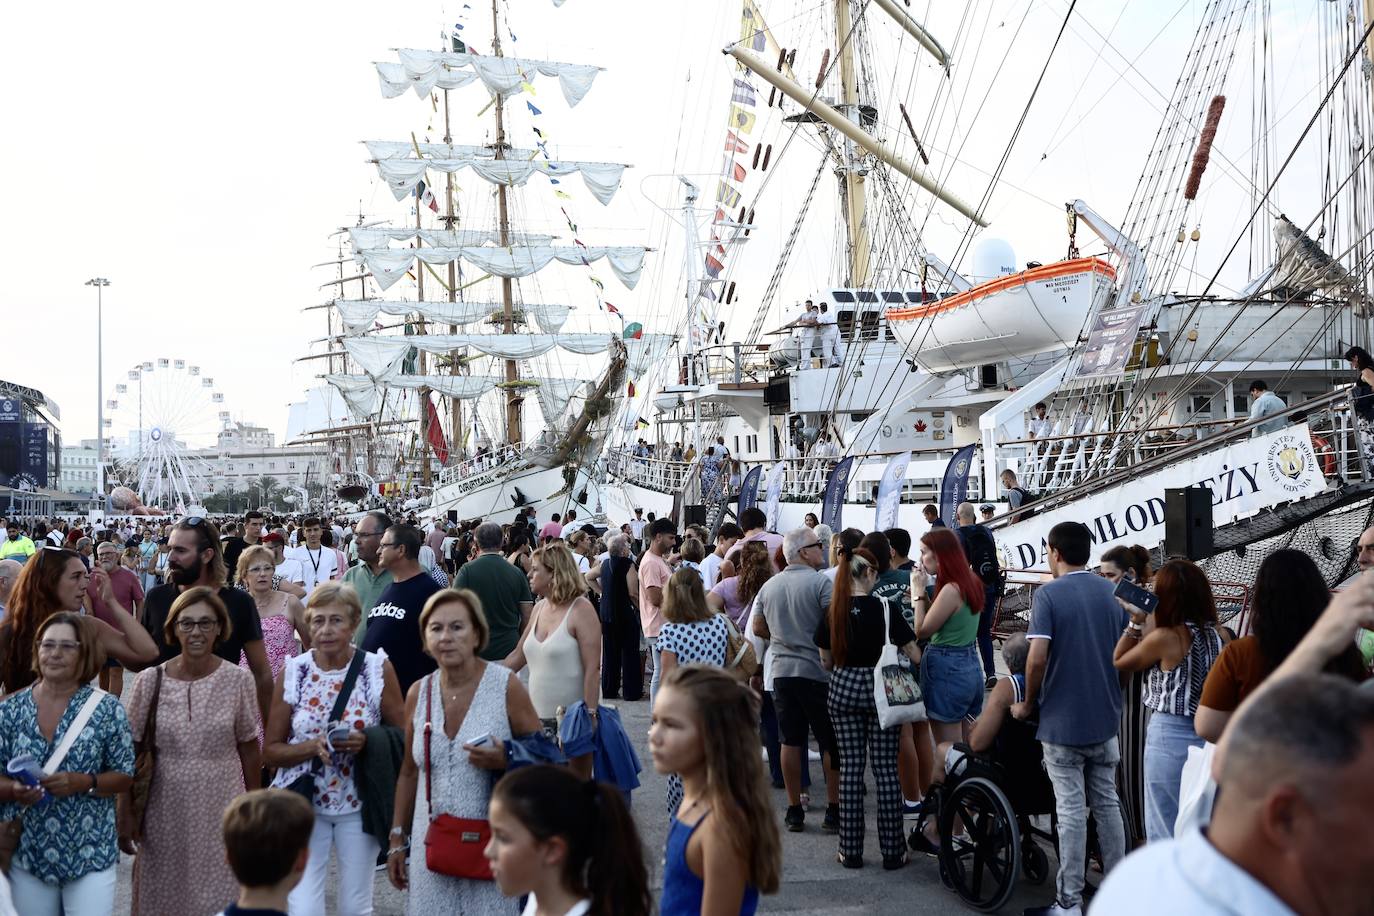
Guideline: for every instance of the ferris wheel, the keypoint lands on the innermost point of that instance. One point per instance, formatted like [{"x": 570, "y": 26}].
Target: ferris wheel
[{"x": 164, "y": 423}]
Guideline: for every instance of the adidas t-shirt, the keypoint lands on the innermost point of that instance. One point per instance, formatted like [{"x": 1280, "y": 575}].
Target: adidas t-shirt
[{"x": 393, "y": 625}]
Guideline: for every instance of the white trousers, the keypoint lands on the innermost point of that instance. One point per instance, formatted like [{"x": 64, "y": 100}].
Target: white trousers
[
  {"x": 357, "y": 853},
  {"x": 831, "y": 354},
  {"x": 92, "y": 894}
]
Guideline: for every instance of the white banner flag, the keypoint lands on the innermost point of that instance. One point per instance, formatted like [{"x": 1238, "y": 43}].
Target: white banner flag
[
  {"x": 890, "y": 491},
  {"x": 774, "y": 491},
  {"x": 1251, "y": 475}
]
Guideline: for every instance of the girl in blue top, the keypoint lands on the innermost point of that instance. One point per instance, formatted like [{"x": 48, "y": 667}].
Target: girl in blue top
[{"x": 723, "y": 845}]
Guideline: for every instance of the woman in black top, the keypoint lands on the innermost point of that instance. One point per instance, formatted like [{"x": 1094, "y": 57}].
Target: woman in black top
[
  {"x": 851, "y": 639},
  {"x": 1362, "y": 397}
]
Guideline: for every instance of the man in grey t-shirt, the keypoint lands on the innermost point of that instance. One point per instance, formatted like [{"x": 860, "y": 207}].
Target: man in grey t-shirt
[
  {"x": 1075, "y": 625},
  {"x": 787, "y": 611}
]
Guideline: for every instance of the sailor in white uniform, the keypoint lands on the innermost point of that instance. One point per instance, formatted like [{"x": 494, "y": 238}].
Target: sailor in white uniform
[
  {"x": 807, "y": 333},
  {"x": 831, "y": 353}
]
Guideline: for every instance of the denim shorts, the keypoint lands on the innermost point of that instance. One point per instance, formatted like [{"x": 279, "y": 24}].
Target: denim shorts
[{"x": 952, "y": 682}]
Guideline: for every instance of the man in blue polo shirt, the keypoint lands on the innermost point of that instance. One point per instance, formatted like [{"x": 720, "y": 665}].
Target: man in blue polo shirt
[{"x": 1075, "y": 625}]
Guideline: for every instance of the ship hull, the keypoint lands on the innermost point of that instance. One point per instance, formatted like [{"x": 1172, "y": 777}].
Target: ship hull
[{"x": 491, "y": 495}]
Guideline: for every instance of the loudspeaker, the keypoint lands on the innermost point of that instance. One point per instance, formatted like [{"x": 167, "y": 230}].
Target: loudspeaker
[
  {"x": 453, "y": 516},
  {"x": 1188, "y": 522},
  {"x": 693, "y": 515}
]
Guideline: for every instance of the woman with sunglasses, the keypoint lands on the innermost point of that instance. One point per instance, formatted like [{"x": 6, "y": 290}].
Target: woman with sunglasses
[
  {"x": 56, "y": 580},
  {"x": 207, "y": 753},
  {"x": 67, "y": 856}
]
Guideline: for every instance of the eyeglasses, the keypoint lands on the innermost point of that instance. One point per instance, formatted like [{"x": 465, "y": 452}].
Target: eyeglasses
[
  {"x": 258, "y": 569},
  {"x": 205, "y": 625},
  {"x": 58, "y": 645},
  {"x": 813, "y": 544},
  {"x": 388, "y": 544}
]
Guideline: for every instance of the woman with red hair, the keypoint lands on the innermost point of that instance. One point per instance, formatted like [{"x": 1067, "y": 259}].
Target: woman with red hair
[{"x": 947, "y": 615}]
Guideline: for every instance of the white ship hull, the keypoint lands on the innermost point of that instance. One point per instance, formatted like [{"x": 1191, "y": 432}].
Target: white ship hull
[
  {"x": 1031, "y": 312},
  {"x": 490, "y": 494}
]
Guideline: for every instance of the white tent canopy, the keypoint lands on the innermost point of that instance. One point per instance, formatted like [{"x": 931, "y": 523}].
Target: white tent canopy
[{"x": 388, "y": 266}]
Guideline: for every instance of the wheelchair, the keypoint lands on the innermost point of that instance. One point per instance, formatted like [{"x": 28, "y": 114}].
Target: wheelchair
[{"x": 983, "y": 812}]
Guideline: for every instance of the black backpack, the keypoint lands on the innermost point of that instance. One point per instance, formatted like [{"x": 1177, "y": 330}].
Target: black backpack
[
  {"x": 1027, "y": 497},
  {"x": 981, "y": 551}
]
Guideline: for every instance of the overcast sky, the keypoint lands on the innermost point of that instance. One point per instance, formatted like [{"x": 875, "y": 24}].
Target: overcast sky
[{"x": 200, "y": 156}]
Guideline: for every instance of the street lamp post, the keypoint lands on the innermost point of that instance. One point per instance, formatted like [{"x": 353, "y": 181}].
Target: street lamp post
[{"x": 99, "y": 283}]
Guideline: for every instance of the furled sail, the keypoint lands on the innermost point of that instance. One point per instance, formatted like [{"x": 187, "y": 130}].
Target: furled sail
[
  {"x": 601, "y": 178},
  {"x": 362, "y": 393},
  {"x": 555, "y": 394},
  {"x": 378, "y": 236},
  {"x": 381, "y": 357},
  {"x": 388, "y": 265},
  {"x": 358, "y": 315},
  {"x": 644, "y": 352},
  {"x": 423, "y": 71}
]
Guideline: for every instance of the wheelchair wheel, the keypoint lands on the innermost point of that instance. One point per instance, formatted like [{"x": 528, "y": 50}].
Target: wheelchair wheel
[
  {"x": 984, "y": 858},
  {"x": 1035, "y": 865}
]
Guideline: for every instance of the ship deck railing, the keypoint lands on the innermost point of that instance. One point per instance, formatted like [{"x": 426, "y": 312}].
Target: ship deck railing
[
  {"x": 1076, "y": 466},
  {"x": 804, "y": 479},
  {"x": 480, "y": 470}
]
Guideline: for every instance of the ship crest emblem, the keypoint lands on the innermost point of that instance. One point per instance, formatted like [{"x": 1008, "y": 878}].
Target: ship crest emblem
[{"x": 1289, "y": 463}]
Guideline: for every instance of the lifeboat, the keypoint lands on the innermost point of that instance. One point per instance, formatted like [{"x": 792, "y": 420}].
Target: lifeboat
[{"x": 1018, "y": 315}]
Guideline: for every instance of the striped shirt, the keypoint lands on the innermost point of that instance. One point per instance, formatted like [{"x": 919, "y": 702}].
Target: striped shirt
[{"x": 1178, "y": 691}]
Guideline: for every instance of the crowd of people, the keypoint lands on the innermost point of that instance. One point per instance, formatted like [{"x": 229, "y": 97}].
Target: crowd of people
[{"x": 381, "y": 676}]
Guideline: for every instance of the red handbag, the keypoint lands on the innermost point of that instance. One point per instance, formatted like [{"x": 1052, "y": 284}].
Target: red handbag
[{"x": 454, "y": 846}]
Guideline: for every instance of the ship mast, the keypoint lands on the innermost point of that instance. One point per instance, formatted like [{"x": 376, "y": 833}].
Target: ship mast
[
  {"x": 450, "y": 222},
  {"x": 855, "y": 218},
  {"x": 514, "y": 433}
]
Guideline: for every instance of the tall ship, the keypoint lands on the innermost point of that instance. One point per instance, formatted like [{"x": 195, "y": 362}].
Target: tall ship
[
  {"x": 473, "y": 363},
  {"x": 1242, "y": 255}
]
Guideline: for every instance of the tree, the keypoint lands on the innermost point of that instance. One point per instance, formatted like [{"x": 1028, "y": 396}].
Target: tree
[{"x": 268, "y": 486}]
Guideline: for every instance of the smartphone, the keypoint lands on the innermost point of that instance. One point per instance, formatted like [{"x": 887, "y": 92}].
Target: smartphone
[
  {"x": 337, "y": 732},
  {"x": 481, "y": 740},
  {"x": 1134, "y": 594}
]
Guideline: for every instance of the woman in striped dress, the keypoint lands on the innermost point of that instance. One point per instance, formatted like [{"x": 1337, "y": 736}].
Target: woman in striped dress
[{"x": 1175, "y": 647}]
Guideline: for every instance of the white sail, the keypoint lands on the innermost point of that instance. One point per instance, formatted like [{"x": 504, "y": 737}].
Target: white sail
[
  {"x": 424, "y": 71},
  {"x": 378, "y": 236},
  {"x": 358, "y": 315},
  {"x": 388, "y": 266},
  {"x": 641, "y": 354},
  {"x": 359, "y": 392},
  {"x": 381, "y": 357},
  {"x": 362, "y": 393},
  {"x": 401, "y": 149},
  {"x": 555, "y": 394},
  {"x": 601, "y": 178}
]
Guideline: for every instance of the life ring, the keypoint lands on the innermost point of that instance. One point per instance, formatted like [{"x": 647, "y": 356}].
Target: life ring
[{"x": 1325, "y": 454}]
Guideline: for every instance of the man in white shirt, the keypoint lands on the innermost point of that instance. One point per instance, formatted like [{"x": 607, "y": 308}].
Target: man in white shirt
[
  {"x": 637, "y": 529},
  {"x": 726, "y": 537},
  {"x": 570, "y": 524},
  {"x": 1265, "y": 403},
  {"x": 318, "y": 563},
  {"x": 288, "y": 568},
  {"x": 829, "y": 331},
  {"x": 1291, "y": 832}
]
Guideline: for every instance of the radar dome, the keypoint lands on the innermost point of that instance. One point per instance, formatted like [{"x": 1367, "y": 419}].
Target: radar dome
[{"x": 993, "y": 258}]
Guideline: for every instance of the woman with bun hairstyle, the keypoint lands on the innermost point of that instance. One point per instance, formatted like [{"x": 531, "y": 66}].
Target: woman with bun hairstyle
[
  {"x": 571, "y": 845},
  {"x": 1131, "y": 562},
  {"x": 851, "y": 639}
]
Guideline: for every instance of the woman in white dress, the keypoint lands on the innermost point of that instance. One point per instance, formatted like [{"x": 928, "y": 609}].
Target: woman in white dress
[{"x": 465, "y": 702}]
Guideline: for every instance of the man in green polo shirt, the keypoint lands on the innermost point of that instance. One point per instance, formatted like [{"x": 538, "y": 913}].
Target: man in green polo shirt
[
  {"x": 503, "y": 589},
  {"x": 368, "y": 577}
]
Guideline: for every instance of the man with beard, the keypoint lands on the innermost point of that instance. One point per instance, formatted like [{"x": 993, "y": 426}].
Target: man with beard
[{"x": 193, "y": 559}]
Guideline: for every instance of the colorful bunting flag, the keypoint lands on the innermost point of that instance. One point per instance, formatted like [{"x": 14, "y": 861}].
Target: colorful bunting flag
[
  {"x": 426, "y": 197},
  {"x": 533, "y": 110},
  {"x": 612, "y": 309},
  {"x": 744, "y": 93},
  {"x": 634, "y": 331},
  {"x": 727, "y": 195},
  {"x": 741, "y": 120},
  {"x": 732, "y": 170},
  {"x": 733, "y": 144},
  {"x": 631, "y": 389},
  {"x": 713, "y": 267}
]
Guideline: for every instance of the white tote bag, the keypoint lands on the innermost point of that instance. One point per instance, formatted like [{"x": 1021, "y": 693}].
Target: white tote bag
[
  {"x": 896, "y": 691},
  {"x": 1197, "y": 790}
]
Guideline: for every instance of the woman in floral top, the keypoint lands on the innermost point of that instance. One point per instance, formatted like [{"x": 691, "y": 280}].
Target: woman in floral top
[
  {"x": 67, "y": 852},
  {"x": 298, "y": 743}
]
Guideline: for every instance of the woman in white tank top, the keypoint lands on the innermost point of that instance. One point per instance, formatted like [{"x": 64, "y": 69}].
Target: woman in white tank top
[{"x": 562, "y": 643}]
